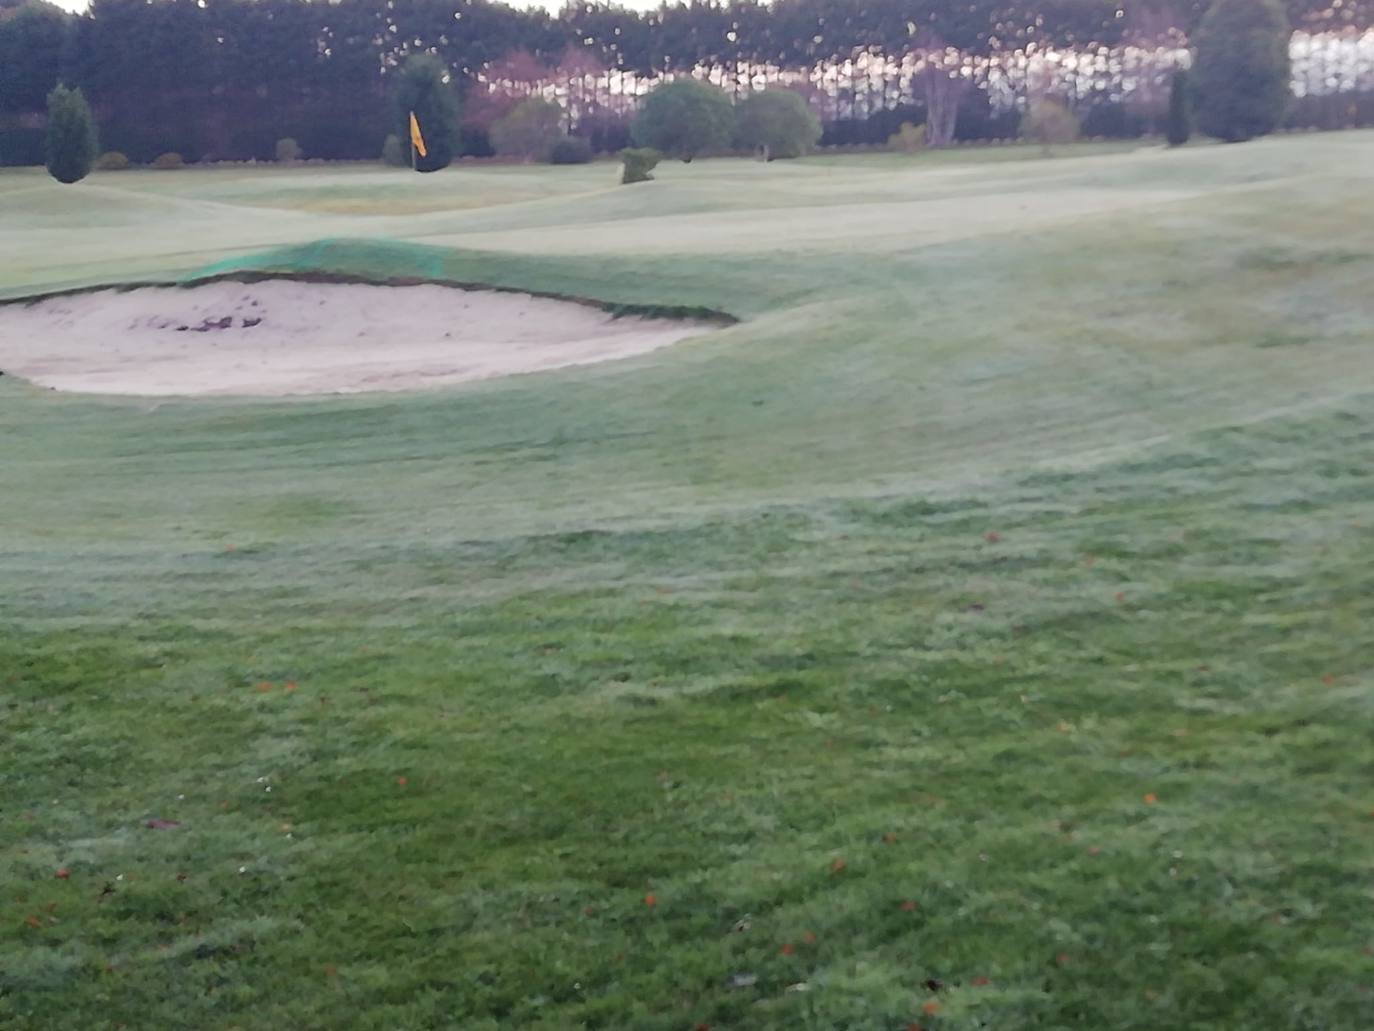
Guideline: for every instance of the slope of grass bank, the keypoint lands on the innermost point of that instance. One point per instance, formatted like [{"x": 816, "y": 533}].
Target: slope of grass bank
[{"x": 975, "y": 635}]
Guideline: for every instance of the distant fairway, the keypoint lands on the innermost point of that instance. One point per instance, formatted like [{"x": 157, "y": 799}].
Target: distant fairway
[{"x": 993, "y": 604}]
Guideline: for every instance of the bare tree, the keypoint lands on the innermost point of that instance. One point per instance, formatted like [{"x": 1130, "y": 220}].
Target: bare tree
[{"x": 939, "y": 78}]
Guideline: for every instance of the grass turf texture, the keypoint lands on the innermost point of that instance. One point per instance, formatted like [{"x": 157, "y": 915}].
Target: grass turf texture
[{"x": 990, "y": 608}]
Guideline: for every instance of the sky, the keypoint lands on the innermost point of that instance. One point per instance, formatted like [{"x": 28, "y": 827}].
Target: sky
[{"x": 553, "y": 5}]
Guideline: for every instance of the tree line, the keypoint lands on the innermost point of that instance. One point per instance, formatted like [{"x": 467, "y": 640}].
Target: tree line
[{"x": 228, "y": 79}]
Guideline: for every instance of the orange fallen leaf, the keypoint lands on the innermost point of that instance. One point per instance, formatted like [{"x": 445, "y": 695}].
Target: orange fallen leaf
[
  {"x": 401, "y": 781},
  {"x": 1150, "y": 798},
  {"x": 62, "y": 874},
  {"x": 264, "y": 685},
  {"x": 809, "y": 937},
  {"x": 837, "y": 865},
  {"x": 992, "y": 536},
  {"x": 589, "y": 911},
  {"x": 930, "y": 1008},
  {"x": 787, "y": 949},
  {"x": 651, "y": 900},
  {"x": 32, "y": 921},
  {"x": 889, "y": 838},
  {"x": 290, "y": 685},
  {"x": 979, "y": 982},
  {"x": 1328, "y": 680},
  {"x": 1120, "y": 597},
  {"x": 1062, "y": 959},
  {"x": 908, "y": 906}
]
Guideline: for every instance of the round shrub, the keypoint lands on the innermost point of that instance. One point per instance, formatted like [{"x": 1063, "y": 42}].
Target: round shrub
[
  {"x": 288, "y": 151},
  {"x": 570, "y": 150},
  {"x": 169, "y": 160},
  {"x": 112, "y": 161}
]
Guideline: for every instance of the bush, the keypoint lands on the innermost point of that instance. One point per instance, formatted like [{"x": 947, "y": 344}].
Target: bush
[
  {"x": 570, "y": 150},
  {"x": 169, "y": 160},
  {"x": 1180, "y": 124},
  {"x": 392, "y": 154},
  {"x": 421, "y": 89},
  {"x": 112, "y": 161},
  {"x": 1048, "y": 122},
  {"x": 288, "y": 150},
  {"x": 909, "y": 138},
  {"x": 1240, "y": 78},
  {"x": 684, "y": 118},
  {"x": 529, "y": 130},
  {"x": 639, "y": 164},
  {"x": 776, "y": 123},
  {"x": 1113, "y": 119},
  {"x": 72, "y": 144}
]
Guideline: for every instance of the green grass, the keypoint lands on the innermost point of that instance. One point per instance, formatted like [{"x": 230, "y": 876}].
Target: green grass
[{"x": 991, "y": 605}]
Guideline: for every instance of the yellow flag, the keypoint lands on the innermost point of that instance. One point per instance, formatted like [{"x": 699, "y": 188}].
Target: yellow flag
[{"x": 416, "y": 140}]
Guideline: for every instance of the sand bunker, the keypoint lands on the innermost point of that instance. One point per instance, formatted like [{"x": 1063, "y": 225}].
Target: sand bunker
[{"x": 279, "y": 338}]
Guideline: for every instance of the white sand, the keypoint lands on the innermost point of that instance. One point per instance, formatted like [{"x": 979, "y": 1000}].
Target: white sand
[{"x": 281, "y": 338}]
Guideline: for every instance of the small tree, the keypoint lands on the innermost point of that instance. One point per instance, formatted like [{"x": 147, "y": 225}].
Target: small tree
[
  {"x": 1180, "y": 125},
  {"x": 570, "y": 150},
  {"x": 72, "y": 144},
  {"x": 684, "y": 118},
  {"x": 1048, "y": 122},
  {"x": 776, "y": 123},
  {"x": 639, "y": 164},
  {"x": 1241, "y": 75},
  {"x": 529, "y": 131},
  {"x": 288, "y": 151},
  {"x": 423, "y": 88},
  {"x": 393, "y": 153}
]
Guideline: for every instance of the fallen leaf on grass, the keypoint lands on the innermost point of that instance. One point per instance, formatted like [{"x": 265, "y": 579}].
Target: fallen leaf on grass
[
  {"x": 651, "y": 900},
  {"x": 837, "y": 865},
  {"x": 992, "y": 536},
  {"x": 290, "y": 685},
  {"x": 908, "y": 906},
  {"x": 787, "y": 949},
  {"x": 889, "y": 838},
  {"x": 979, "y": 982},
  {"x": 809, "y": 937},
  {"x": 930, "y": 1008},
  {"x": 32, "y": 921},
  {"x": 401, "y": 782},
  {"x": 264, "y": 686},
  {"x": 62, "y": 874},
  {"x": 1062, "y": 959},
  {"x": 1150, "y": 798}
]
